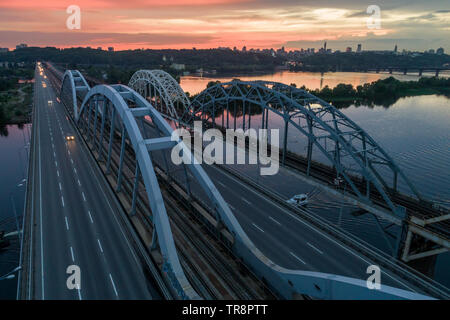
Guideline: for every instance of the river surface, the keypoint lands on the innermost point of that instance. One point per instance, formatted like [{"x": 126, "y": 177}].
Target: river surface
[
  {"x": 311, "y": 80},
  {"x": 13, "y": 169}
]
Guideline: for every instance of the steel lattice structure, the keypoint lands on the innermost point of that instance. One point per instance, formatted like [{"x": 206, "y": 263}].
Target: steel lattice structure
[
  {"x": 162, "y": 89},
  {"x": 73, "y": 85},
  {"x": 326, "y": 128},
  {"x": 122, "y": 108}
]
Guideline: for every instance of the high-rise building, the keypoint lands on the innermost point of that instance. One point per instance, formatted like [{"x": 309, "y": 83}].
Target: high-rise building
[
  {"x": 110, "y": 48},
  {"x": 395, "y": 49},
  {"x": 359, "y": 48},
  {"x": 440, "y": 51},
  {"x": 325, "y": 46}
]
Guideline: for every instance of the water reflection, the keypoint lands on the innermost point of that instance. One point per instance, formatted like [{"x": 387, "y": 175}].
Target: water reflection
[
  {"x": 311, "y": 80},
  {"x": 14, "y": 141}
]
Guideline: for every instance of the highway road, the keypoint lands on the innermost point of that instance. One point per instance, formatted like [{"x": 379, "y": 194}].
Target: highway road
[
  {"x": 75, "y": 220},
  {"x": 279, "y": 233}
]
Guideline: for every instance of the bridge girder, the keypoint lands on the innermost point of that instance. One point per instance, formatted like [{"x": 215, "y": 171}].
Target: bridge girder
[
  {"x": 336, "y": 136},
  {"x": 164, "y": 86},
  {"x": 73, "y": 85},
  {"x": 287, "y": 282}
]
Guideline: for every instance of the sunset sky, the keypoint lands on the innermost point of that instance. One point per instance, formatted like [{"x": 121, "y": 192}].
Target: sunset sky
[{"x": 132, "y": 24}]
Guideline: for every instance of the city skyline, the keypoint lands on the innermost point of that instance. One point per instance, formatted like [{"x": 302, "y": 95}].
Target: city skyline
[{"x": 209, "y": 24}]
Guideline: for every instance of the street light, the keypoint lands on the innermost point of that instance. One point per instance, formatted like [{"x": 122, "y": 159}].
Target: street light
[{"x": 10, "y": 275}]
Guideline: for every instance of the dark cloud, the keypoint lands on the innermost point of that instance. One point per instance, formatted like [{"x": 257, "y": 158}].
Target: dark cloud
[{"x": 74, "y": 38}]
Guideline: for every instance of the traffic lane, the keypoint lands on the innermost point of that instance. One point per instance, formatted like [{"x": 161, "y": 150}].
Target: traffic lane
[
  {"x": 300, "y": 247},
  {"x": 355, "y": 265},
  {"x": 57, "y": 178},
  {"x": 129, "y": 278},
  {"x": 95, "y": 282},
  {"x": 68, "y": 212},
  {"x": 54, "y": 240}
]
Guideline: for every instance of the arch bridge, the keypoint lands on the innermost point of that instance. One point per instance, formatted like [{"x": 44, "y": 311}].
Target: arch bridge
[{"x": 122, "y": 110}]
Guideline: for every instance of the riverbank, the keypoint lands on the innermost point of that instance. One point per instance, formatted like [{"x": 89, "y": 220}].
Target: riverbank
[
  {"x": 383, "y": 92},
  {"x": 15, "y": 105}
]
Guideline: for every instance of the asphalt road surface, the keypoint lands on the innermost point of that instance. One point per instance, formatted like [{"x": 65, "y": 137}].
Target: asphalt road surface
[{"x": 75, "y": 221}]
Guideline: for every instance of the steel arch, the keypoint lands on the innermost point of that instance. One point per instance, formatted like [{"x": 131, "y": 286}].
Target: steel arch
[
  {"x": 117, "y": 97},
  {"x": 321, "y": 123},
  {"x": 287, "y": 282},
  {"x": 167, "y": 87},
  {"x": 73, "y": 85}
]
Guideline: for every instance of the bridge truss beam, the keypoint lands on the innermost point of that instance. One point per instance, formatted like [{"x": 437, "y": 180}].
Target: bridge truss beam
[{"x": 122, "y": 107}]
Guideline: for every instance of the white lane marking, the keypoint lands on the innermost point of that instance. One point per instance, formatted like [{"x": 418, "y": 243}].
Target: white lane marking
[
  {"x": 274, "y": 221},
  {"x": 231, "y": 207},
  {"x": 100, "y": 245},
  {"x": 62, "y": 200},
  {"x": 79, "y": 294},
  {"x": 68, "y": 152},
  {"x": 57, "y": 172},
  {"x": 79, "y": 183},
  {"x": 75, "y": 170},
  {"x": 56, "y": 163},
  {"x": 294, "y": 217},
  {"x": 54, "y": 154},
  {"x": 67, "y": 223},
  {"x": 40, "y": 220},
  {"x": 71, "y": 161},
  {"x": 84, "y": 198},
  {"x": 71, "y": 252},
  {"x": 292, "y": 254},
  {"x": 221, "y": 184},
  {"x": 309, "y": 244},
  {"x": 90, "y": 217},
  {"x": 114, "y": 286},
  {"x": 60, "y": 188},
  {"x": 246, "y": 201},
  {"x": 258, "y": 227}
]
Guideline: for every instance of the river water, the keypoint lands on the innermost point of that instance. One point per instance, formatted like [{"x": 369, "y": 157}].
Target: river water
[{"x": 13, "y": 169}]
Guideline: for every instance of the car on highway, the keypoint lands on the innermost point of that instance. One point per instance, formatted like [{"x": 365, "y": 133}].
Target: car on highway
[
  {"x": 69, "y": 138},
  {"x": 300, "y": 200},
  {"x": 50, "y": 102}
]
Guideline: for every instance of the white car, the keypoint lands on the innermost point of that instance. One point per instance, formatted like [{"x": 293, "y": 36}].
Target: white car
[{"x": 300, "y": 200}]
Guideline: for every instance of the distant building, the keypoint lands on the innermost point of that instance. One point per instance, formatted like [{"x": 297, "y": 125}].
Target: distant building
[
  {"x": 178, "y": 66},
  {"x": 21, "y": 46},
  {"x": 110, "y": 49},
  {"x": 244, "y": 49},
  {"x": 395, "y": 49},
  {"x": 359, "y": 48},
  {"x": 348, "y": 49},
  {"x": 431, "y": 51},
  {"x": 325, "y": 47},
  {"x": 99, "y": 48},
  {"x": 3, "y": 50},
  {"x": 440, "y": 51}
]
